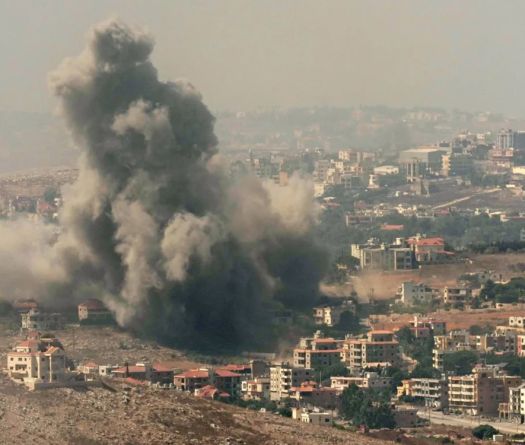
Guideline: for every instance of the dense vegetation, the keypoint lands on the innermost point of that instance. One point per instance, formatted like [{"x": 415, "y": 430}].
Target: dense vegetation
[{"x": 367, "y": 407}]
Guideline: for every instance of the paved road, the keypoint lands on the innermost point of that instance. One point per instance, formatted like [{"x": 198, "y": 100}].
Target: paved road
[
  {"x": 439, "y": 418},
  {"x": 465, "y": 198}
]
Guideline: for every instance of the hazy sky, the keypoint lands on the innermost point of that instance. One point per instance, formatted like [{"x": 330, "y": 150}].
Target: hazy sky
[{"x": 244, "y": 54}]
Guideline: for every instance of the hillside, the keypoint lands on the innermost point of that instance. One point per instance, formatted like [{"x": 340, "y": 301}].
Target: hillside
[{"x": 152, "y": 416}]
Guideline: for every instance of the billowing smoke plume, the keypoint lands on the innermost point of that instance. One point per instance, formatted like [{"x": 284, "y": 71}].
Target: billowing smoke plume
[{"x": 153, "y": 226}]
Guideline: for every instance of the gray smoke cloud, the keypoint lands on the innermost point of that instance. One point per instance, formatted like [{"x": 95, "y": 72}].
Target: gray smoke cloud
[{"x": 153, "y": 225}]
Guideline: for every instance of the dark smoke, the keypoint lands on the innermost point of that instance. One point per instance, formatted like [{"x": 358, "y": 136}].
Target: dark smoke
[{"x": 153, "y": 226}]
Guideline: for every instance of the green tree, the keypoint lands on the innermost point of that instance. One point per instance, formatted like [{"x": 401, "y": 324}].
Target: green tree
[
  {"x": 460, "y": 362},
  {"x": 370, "y": 408},
  {"x": 484, "y": 432}
]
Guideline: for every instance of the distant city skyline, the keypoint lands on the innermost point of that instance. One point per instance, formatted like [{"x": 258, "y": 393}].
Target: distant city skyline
[{"x": 289, "y": 53}]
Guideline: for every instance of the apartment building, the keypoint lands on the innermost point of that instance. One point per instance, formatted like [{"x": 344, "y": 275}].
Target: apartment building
[
  {"x": 481, "y": 392},
  {"x": 433, "y": 391},
  {"x": 457, "y": 295},
  {"x": 317, "y": 351},
  {"x": 515, "y": 408},
  {"x": 369, "y": 380},
  {"x": 256, "y": 389},
  {"x": 378, "y": 349},
  {"x": 410, "y": 293},
  {"x": 372, "y": 255},
  {"x": 283, "y": 377}
]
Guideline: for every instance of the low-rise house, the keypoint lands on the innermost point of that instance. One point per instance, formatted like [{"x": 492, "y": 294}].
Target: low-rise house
[
  {"x": 222, "y": 379},
  {"x": 93, "y": 311},
  {"x": 210, "y": 392},
  {"x": 406, "y": 417},
  {"x": 191, "y": 380},
  {"x": 429, "y": 250},
  {"x": 256, "y": 389},
  {"x": 36, "y": 363},
  {"x": 89, "y": 369},
  {"x": 369, "y": 380},
  {"x": 255, "y": 368},
  {"x": 227, "y": 381},
  {"x": 315, "y": 395},
  {"x": 315, "y": 417}
]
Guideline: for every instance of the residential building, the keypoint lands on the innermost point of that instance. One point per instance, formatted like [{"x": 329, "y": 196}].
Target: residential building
[
  {"x": 210, "y": 392},
  {"x": 422, "y": 327},
  {"x": 283, "y": 377},
  {"x": 256, "y": 389},
  {"x": 373, "y": 255},
  {"x": 457, "y": 295},
  {"x": 379, "y": 349},
  {"x": 410, "y": 293},
  {"x": 155, "y": 373},
  {"x": 330, "y": 315},
  {"x": 37, "y": 363},
  {"x": 314, "y": 395},
  {"x": 481, "y": 392},
  {"x": 429, "y": 250},
  {"x": 433, "y": 391},
  {"x": 517, "y": 322},
  {"x": 406, "y": 417},
  {"x": 222, "y": 379},
  {"x": 35, "y": 320},
  {"x": 368, "y": 380},
  {"x": 93, "y": 311},
  {"x": 515, "y": 408},
  {"x": 191, "y": 380},
  {"x": 313, "y": 416}
]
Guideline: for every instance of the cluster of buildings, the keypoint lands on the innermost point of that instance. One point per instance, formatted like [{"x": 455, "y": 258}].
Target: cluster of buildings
[
  {"x": 35, "y": 318},
  {"x": 505, "y": 339},
  {"x": 486, "y": 391},
  {"x": 402, "y": 254},
  {"x": 411, "y": 293}
]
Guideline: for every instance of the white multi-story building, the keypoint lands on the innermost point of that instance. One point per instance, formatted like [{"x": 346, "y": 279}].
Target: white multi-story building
[
  {"x": 369, "y": 380},
  {"x": 283, "y": 377}
]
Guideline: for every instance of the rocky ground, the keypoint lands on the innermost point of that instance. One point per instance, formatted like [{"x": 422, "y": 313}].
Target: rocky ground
[{"x": 151, "y": 416}]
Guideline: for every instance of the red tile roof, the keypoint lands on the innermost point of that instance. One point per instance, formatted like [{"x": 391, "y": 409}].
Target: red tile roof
[
  {"x": 234, "y": 367},
  {"x": 93, "y": 304},
  {"x": 210, "y": 392},
  {"x": 226, "y": 373},
  {"x": 193, "y": 374}
]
